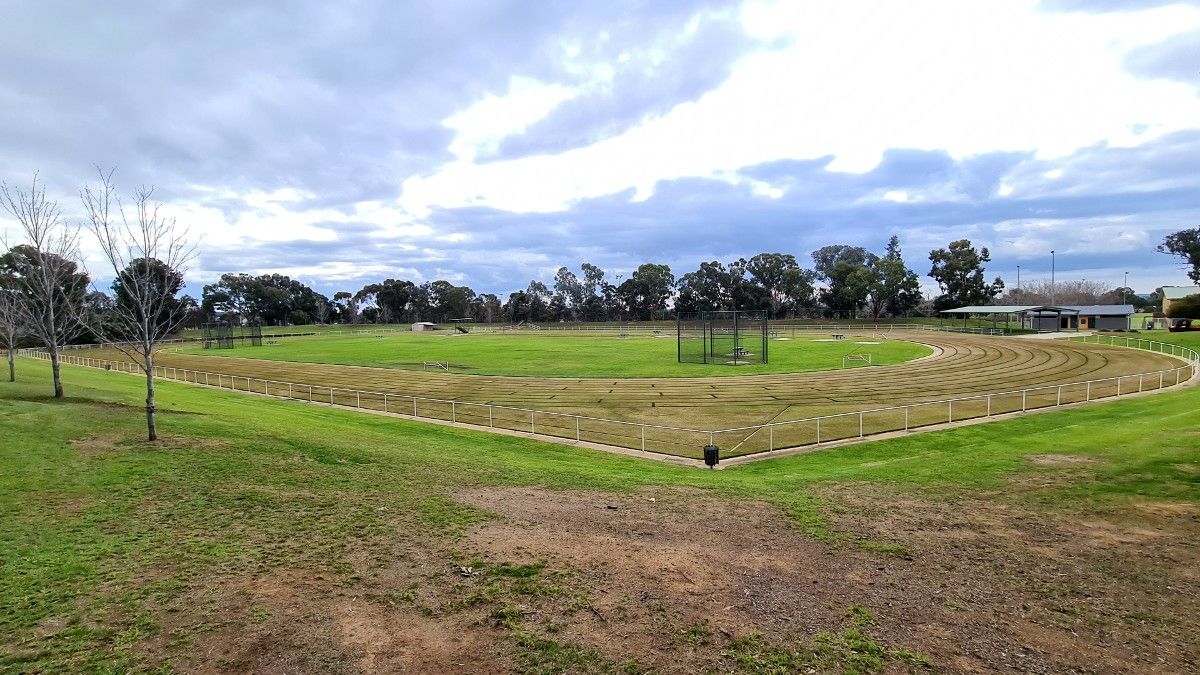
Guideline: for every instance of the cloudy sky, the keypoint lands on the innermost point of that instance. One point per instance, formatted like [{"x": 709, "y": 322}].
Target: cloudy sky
[{"x": 488, "y": 143}]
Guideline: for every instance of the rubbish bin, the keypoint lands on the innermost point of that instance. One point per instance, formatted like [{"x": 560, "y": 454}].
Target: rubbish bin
[{"x": 712, "y": 455}]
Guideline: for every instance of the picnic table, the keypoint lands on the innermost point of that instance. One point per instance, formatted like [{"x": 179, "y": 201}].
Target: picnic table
[{"x": 839, "y": 336}]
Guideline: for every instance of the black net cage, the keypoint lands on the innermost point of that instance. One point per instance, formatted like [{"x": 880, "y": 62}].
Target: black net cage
[
  {"x": 729, "y": 337},
  {"x": 224, "y": 335},
  {"x": 218, "y": 335}
]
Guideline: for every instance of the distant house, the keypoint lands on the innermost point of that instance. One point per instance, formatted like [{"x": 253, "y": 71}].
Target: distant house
[
  {"x": 423, "y": 326},
  {"x": 1170, "y": 293}
]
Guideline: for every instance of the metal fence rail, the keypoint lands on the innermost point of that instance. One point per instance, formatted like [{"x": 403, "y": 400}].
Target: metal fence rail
[{"x": 686, "y": 442}]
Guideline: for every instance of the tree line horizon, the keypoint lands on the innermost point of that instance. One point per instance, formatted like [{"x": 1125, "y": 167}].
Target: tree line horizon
[
  {"x": 45, "y": 299},
  {"x": 844, "y": 281}
]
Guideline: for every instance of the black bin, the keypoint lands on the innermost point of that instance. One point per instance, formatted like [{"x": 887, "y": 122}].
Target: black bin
[{"x": 712, "y": 455}]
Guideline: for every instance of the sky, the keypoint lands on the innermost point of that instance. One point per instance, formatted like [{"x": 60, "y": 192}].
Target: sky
[{"x": 488, "y": 144}]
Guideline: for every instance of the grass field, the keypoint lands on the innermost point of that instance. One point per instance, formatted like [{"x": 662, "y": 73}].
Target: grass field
[
  {"x": 963, "y": 365},
  {"x": 535, "y": 355},
  {"x": 262, "y": 535}
]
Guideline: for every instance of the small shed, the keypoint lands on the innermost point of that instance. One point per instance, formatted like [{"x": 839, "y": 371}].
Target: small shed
[
  {"x": 1172, "y": 293},
  {"x": 420, "y": 326}
]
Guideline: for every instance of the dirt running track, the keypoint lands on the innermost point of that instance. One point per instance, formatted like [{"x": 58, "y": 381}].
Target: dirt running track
[{"x": 963, "y": 365}]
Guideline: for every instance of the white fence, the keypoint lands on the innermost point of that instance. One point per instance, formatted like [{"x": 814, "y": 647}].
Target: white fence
[{"x": 685, "y": 442}]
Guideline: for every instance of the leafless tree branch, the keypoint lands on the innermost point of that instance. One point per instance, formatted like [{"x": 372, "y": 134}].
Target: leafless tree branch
[
  {"x": 47, "y": 265},
  {"x": 148, "y": 252}
]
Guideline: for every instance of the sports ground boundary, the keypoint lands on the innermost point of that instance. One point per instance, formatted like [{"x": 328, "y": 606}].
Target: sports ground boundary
[{"x": 814, "y": 433}]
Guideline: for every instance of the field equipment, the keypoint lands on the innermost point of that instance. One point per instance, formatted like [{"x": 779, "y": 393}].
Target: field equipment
[{"x": 727, "y": 337}]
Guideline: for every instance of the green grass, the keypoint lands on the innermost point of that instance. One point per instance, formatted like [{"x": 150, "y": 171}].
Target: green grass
[
  {"x": 94, "y": 536},
  {"x": 558, "y": 355}
]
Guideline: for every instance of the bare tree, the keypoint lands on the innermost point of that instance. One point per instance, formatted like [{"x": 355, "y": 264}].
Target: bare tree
[
  {"x": 49, "y": 284},
  {"x": 11, "y": 323},
  {"x": 149, "y": 254},
  {"x": 322, "y": 310},
  {"x": 1077, "y": 292}
]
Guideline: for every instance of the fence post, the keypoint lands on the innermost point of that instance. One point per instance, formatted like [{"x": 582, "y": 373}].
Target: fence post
[
  {"x": 357, "y": 399},
  {"x": 489, "y": 415},
  {"x": 1160, "y": 379},
  {"x": 290, "y": 390},
  {"x": 385, "y": 408},
  {"x": 1088, "y": 394},
  {"x": 770, "y": 438},
  {"x": 577, "y": 428},
  {"x": 266, "y": 386},
  {"x": 643, "y": 438},
  {"x": 1118, "y": 385},
  {"x": 818, "y": 431},
  {"x": 532, "y": 426},
  {"x": 1023, "y": 391},
  {"x": 860, "y": 425},
  {"x": 1059, "y": 401},
  {"x": 950, "y": 418},
  {"x": 453, "y": 412},
  {"x": 906, "y": 418},
  {"x": 1140, "y": 378},
  {"x": 331, "y": 396},
  {"x": 414, "y": 406},
  {"x": 310, "y": 393},
  {"x": 989, "y": 405}
]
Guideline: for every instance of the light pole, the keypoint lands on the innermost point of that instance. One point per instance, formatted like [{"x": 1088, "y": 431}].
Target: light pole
[
  {"x": 1124, "y": 288},
  {"x": 1052, "y": 294},
  {"x": 617, "y": 296},
  {"x": 1018, "y": 283}
]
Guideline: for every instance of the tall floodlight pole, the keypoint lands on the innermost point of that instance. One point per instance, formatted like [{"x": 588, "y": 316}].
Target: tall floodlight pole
[
  {"x": 1124, "y": 287},
  {"x": 1052, "y": 289},
  {"x": 1018, "y": 283}
]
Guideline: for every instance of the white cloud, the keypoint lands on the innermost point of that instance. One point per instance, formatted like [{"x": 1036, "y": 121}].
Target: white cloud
[
  {"x": 482, "y": 126},
  {"x": 856, "y": 78}
]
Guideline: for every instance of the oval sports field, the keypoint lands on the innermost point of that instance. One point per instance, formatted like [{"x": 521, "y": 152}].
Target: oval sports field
[{"x": 959, "y": 365}]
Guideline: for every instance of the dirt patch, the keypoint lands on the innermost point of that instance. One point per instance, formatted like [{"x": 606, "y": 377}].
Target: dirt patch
[
  {"x": 120, "y": 441},
  {"x": 975, "y": 584},
  {"x": 303, "y": 622},
  {"x": 1042, "y": 591},
  {"x": 1062, "y": 460},
  {"x": 667, "y": 566}
]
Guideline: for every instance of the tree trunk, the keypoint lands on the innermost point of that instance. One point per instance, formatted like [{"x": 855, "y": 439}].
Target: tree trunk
[
  {"x": 151, "y": 427},
  {"x": 12, "y": 366},
  {"x": 56, "y": 370}
]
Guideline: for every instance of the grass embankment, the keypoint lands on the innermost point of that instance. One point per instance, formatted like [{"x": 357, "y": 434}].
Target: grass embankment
[
  {"x": 549, "y": 355},
  {"x": 102, "y": 536}
]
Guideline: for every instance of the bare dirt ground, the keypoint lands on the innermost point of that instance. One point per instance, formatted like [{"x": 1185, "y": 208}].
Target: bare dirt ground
[{"x": 674, "y": 581}]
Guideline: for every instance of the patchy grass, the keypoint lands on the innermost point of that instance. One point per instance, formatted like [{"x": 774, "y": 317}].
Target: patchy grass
[{"x": 94, "y": 543}]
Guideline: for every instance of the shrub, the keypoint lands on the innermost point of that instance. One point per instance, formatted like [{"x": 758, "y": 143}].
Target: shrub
[{"x": 1185, "y": 308}]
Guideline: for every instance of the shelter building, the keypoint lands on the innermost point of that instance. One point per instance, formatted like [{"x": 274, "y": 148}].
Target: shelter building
[
  {"x": 423, "y": 326},
  {"x": 1054, "y": 318},
  {"x": 1085, "y": 317},
  {"x": 1171, "y": 293}
]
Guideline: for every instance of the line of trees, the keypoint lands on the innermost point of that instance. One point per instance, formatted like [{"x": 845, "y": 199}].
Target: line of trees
[
  {"x": 853, "y": 280},
  {"x": 843, "y": 281},
  {"x": 44, "y": 296},
  {"x": 47, "y": 297}
]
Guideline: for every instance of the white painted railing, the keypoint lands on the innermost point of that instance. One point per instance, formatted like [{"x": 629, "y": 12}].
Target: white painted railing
[{"x": 686, "y": 442}]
